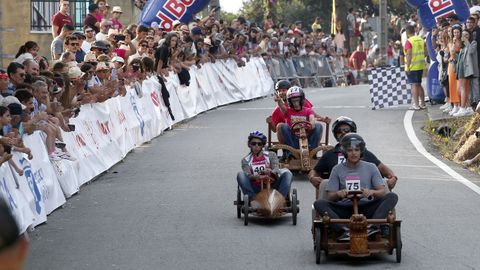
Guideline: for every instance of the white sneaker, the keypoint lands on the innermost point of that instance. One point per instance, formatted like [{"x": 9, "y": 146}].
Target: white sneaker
[
  {"x": 469, "y": 111},
  {"x": 454, "y": 110},
  {"x": 444, "y": 106},
  {"x": 448, "y": 108},
  {"x": 54, "y": 157},
  {"x": 66, "y": 155},
  {"x": 461, "y": 112}
]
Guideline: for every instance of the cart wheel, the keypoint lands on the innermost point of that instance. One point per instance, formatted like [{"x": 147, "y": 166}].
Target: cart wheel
[
  {"x": 294, "y": 192},
  {"x": 398, "y": 244},
  {"x": 245, "y": 210},
  {"x": 239, "y": 204},
  {"x": 318, "y": 245},
  {"x": 294, "y": 207}
]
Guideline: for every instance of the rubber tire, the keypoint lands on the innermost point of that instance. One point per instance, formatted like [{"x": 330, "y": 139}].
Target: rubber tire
[
  {"x": 245, "y": 210},
  {"x": 398, "y": 244},
  {"x": 293, "y": 202},
  {"x": 318, "y": 245},
  {"x": 239, "y": 205}
]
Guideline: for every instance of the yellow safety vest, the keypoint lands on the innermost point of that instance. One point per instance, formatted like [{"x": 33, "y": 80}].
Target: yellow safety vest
[{"x": 418, "y": 54}]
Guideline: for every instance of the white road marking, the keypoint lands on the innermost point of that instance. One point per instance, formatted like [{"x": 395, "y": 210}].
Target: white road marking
[
  {"x": 412, "y": 166},
  {"x": 407, "y": 123},
  {"x": 315, "y": 107}
]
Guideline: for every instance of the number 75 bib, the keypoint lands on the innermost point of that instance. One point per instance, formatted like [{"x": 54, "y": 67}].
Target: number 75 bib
[{"x": 352, "y": 183}]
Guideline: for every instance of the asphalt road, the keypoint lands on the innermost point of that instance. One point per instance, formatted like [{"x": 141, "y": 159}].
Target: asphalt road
[{"x": 168, "y": 205}]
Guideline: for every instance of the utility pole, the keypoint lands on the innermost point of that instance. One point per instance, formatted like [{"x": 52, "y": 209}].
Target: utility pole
[{"x": 383, "y": 42}]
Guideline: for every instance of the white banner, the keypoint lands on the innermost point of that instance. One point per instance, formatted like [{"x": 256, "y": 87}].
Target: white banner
[{"x": 106, "y": 132}]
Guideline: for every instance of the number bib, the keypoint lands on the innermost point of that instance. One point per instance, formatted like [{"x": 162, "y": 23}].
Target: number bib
[
  {"x": 341, "y": 158},
  {"x": 352, "y": 183},
  {"x": 258, "y": 168}
]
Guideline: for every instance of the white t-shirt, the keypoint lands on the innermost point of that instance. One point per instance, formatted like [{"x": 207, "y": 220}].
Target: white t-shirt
[
  {"x": 22, "y": 57},
  {"x": 101, "y": 36}
]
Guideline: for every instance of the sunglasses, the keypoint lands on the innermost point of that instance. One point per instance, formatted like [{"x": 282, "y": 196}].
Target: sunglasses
[
  {"x": 256, "y": 144},
  {"x": 344, "y": 130},
  {"x": 74, "y": 44}
]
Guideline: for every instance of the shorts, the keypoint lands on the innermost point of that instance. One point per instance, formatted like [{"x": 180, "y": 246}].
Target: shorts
[{"x": 415, "y": 76}]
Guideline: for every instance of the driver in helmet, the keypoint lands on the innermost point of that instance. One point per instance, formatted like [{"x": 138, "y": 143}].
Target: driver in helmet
[
  {"x": 334, "y": 156},
  {"x": 277, "y": 119},
  {"x": 297, "y": 112},
  {"x": 375, "y": 203},
  {"x": 260, "y": 164}
]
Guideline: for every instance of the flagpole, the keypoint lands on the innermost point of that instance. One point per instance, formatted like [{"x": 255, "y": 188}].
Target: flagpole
[{"x": 333, "y": 23}]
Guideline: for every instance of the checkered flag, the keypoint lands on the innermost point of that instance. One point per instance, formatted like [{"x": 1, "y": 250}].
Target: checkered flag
[{"x": 388, "y": 87}]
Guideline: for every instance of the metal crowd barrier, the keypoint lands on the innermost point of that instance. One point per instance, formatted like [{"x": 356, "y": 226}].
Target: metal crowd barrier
[{"x": 307, "y": 71}]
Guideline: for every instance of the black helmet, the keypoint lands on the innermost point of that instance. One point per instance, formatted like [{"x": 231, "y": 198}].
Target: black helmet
[
  {"x": 343, "y": 120},
  {"x": 282, "y": 84},
  {"x": 352, "y": 139},
  {"x": 294, "y": 92},
  {"x": 257, "y": 135}
]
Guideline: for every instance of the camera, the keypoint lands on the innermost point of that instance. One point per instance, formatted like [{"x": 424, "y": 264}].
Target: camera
[
  {"x": 135, "y": 67},
  {"x": 119, "y": 38}
]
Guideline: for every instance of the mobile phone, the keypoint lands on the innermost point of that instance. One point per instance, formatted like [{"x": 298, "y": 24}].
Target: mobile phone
[
  {"x": 71, "y": 127},
  {"x": 215, "y": 9}
]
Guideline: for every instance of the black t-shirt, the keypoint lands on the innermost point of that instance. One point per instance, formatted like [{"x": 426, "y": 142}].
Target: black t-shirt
[
  {"x": 161, "y": 54},
  {"x": 334, "y": 156}
]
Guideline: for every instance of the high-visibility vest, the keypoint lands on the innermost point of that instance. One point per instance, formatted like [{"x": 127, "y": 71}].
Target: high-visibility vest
[{"x": 418, "y": 54}]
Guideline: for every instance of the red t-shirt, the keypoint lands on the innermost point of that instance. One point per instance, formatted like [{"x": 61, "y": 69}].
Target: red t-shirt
[
  {"x": 90, "y": 20},
  {"x": 359, "y": 57},
  {"x": 293, "y": 116},
  {"x": 120, "y": 52},
  {"x": 116, "y": 24},
  {"x": 278, "y": 117},
  {"x": 60, "y": 20}
]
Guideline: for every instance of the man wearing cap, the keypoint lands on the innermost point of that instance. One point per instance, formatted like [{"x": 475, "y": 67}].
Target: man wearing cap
[
  {"x": 98, "y": 47},
  {"x": 56, "y": 48},
  {"x": 91, "y": 20},
  {"x": 13, "y": 246},
  {"x": 116, "y": 13},
  {"x": 61, "y": 18}
]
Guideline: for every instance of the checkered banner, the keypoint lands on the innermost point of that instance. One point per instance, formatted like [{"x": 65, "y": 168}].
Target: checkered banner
[{"x": 388, "y": 87}]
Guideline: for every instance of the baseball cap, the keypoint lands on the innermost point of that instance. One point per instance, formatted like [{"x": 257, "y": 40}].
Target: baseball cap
[
  {"x": 118, "y": 59},
  {"x": 196, "y": 31},
  {"x": 15, "y": 109},
  {"x": 9, "y": 232},
  {"x": 13, "y": 100},
  {"x": 74, "y": 73}
]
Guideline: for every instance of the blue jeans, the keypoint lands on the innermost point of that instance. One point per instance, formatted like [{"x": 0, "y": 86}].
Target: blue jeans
[
  {"x": 292, "y": 140},
  {"x": 282, "y": 184}
]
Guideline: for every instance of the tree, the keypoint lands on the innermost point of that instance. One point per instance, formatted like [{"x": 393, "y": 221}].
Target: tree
[{"x": 289, "y": 11}]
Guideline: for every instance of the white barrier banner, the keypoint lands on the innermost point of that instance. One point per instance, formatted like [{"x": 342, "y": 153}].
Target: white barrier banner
[
  {"x": 39, "y": 180},
  {"x": 15, "y": 198},
  {"x": 105, "y": 133}
]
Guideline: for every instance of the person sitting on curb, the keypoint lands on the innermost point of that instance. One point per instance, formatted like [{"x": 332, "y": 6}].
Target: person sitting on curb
[
  {"x": 260, "y": 164},
  {"x": 375, "y": 203},
  {"x": 334, "y": 156}
]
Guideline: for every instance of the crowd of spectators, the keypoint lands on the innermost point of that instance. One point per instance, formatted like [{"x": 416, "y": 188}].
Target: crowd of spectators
[{"x": 458, "y": 58}]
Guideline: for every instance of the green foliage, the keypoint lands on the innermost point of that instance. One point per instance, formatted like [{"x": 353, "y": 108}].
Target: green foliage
[
  {"x": 289, "y": 11},
  {"x": 228, "y": 16}
]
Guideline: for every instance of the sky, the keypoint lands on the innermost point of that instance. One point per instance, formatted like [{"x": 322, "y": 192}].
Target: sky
[{"x": 231, "y": 5}]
